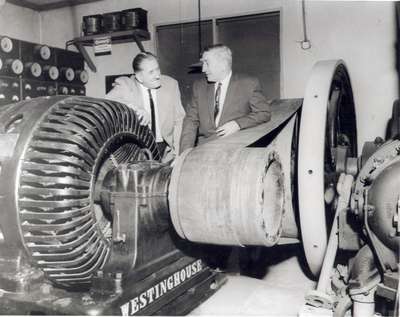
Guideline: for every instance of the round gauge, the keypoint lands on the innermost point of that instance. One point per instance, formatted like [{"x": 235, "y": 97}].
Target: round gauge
[
  {"x": 53, "y": 72},
  {"x": 6, "y": 44},
  {"x": 28, "y": 87},
  {"x": 51, "y": 90},
  {"x": 15, "y": 98},
  {"x": 36, "y": 70},
  {"x": 64, "y": 90},
  {"x": 84, "y": 76},
  {"x": 69, "y": 74},
  {"x": 45, "y": 52},
  {"x": 17, "y": 67},
  {"x": 28, "y": 98}
]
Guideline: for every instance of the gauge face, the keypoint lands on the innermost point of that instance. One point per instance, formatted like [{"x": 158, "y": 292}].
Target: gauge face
[
  {"x": 84, "y": 76},
  {"x": 64, "y": 90},
  {"x": 69, "y": 74},
  {"x": 53, "y": 72},
  {"x": 6, "y": 44},
  {"x": 45, "y": 52},
  {"x": 36, "y": 69},
  {"x": 17, "y": 67},
  {"x": 51, "y": 90}
]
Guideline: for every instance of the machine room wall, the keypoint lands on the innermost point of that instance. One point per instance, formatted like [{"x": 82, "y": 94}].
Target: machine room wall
[
  {"x": 20, "y": 23},
  {"x": 363, "y": 34}
]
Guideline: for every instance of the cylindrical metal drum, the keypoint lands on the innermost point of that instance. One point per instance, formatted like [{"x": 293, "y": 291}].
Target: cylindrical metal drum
[
  {"x": 92, "y": 24},
  {"x": 228, "y": 196},
  {"x": 112, "y": 22}
]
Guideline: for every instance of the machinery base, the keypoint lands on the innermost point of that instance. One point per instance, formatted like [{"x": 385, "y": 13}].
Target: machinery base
[{"x": 175, "y": 289}]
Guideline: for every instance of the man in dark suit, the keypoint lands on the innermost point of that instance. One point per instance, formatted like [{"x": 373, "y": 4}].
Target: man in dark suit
[
  {"x": 224, "y": 103},
  {"x": 221, "y": 105}
]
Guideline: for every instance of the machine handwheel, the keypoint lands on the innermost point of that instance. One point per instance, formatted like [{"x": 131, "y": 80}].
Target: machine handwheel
[{"x": 328, "y": 120}]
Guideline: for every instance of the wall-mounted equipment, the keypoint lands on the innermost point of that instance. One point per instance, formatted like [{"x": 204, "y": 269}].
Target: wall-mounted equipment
[
  {"x": 29, "y": 70},
  {"x": 134, "y": 19},
  {"x": 129, "y": 19},
  {"x": 112, "y": 22},
  {"x": 115, "y": 27},
  {"x": 92, "y": 24}
]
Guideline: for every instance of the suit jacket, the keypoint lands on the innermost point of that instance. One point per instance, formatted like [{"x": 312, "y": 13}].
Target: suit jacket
[
  {"x": 169, "y": 106},
  {"x": 244, "y": 103}
]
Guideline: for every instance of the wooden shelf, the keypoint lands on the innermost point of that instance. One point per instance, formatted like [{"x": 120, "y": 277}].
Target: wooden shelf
[
  {"x": 116, "y": 37},
  {"x": 135, "y": 35}
]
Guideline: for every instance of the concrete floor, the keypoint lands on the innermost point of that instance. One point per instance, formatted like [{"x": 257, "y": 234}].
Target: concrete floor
[{"x": 278, "y": 291}]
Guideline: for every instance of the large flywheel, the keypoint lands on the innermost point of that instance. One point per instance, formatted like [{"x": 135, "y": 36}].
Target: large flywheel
[
  {"x": 327, "y": 127},
  {"x": 58, "y": 151}
]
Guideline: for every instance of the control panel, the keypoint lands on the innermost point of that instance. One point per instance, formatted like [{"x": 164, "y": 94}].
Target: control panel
[{"x": 29, "y": 70}]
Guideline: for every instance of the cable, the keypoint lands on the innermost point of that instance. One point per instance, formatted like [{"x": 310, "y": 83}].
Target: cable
[
  {"x": 305, "y": 43},
  {"x": 199, "y": 25}
]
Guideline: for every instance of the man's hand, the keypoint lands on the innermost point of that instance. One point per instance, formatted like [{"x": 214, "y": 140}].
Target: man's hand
[
  {"x": 143, "y": 116},
  {"x": 227, "y": 128}
]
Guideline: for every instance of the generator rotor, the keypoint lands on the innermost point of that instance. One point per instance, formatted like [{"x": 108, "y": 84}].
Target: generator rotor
[{"x": 63, "y": 148}]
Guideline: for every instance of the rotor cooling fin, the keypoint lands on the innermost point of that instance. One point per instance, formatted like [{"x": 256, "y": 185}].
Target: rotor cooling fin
[{"x": 64, "y": 149}]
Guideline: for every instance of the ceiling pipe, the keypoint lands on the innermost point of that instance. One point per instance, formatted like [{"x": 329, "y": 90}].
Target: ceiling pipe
[{"x": 196, "y": 67}]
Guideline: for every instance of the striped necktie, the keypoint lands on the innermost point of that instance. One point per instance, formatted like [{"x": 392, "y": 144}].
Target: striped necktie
[{"x": 216, "y": 101}]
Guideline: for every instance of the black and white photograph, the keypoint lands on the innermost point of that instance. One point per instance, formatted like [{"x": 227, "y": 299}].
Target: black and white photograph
[{"x": 200, "y": 157}]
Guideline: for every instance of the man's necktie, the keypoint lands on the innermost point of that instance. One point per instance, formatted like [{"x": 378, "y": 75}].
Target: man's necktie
[
  {"x": 153, "y": 115},
  {"x": 217, "y": 97}
]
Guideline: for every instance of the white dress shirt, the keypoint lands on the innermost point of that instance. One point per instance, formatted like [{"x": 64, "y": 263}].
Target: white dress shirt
[
  {"x": 224, "y": 89},
  {"x": 146, "y": 105}
]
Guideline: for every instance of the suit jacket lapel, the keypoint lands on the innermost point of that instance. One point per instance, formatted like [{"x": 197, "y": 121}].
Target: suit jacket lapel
[
  {"x": 229, "y": 98},
  {"x": 137, "y": 92},
  {"x": 162, "y": 96},
  {"x": 210, "y": 100}
]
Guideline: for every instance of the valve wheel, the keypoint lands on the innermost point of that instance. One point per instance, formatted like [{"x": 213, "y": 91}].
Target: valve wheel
[{"x": 328, "y": 120}]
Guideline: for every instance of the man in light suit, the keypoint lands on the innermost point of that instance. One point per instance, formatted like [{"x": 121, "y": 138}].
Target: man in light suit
[
  {"x": 156, "y": 100},
  {"x": 224, "y": 103}
]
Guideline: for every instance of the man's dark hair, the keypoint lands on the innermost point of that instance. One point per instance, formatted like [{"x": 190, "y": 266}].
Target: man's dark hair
[{"x": 139, "y": 58}]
